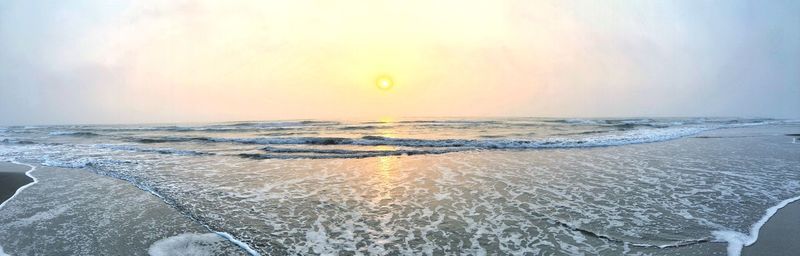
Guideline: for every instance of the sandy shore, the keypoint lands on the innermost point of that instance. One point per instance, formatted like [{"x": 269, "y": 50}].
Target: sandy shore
[
  {"x": 780, "y": 235},
  {"x": 73, "y": 211},
  {"x": 12, "y": 177},
  {"x": 76, "y": 212}
]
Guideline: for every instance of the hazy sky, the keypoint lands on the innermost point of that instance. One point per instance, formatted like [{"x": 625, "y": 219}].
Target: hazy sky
[{"x": 177, "y": 61}]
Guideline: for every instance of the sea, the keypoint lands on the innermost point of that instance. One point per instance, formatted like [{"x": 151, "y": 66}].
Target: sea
[{"x": 448, "y": 186}]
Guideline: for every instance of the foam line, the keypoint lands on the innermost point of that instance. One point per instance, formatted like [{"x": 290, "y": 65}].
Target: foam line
[
  {"x": 737, "y": 240},
  {"x": 225, "y": 235},
  {"x": 28, "y": 173},
  {"x": 167, "y": 201},
  {"x": 241, "y": 244}
]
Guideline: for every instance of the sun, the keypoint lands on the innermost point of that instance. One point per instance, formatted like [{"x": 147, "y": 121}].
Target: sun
[{"x": 384, "y": 83}]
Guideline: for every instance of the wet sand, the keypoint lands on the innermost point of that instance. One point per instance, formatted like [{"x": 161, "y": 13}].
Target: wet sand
[
  {"x": 77, "y": 212},
  {"x": 157, "y": 220},
  {"x": 68, "y": 208},
  {"x": 12, "y": 177},
  {"x": 779, "y": 236}
]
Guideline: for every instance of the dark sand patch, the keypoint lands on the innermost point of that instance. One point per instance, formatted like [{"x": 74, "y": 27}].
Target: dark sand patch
[{"x": 12, "y": 177}]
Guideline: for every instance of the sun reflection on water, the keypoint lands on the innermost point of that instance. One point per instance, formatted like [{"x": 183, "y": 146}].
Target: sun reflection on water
[{"x": 385, "y": 175}]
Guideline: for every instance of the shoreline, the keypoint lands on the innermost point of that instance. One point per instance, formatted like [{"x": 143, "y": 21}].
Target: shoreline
[
  {"x": 776, "y": 234},
  {"x": 737, "y": 241},
  {"x": 21, "y": 178},
  {"x": 14, "y": 179},
  {"x": 772, "y": 234},
  {"x": 42, "y": 213}
]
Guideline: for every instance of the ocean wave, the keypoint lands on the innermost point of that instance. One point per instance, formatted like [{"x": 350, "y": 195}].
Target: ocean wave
[
  {"x": 339, "y": 153},
  {"x": 19, "y": 142},
  {"x": 317, "y": 153},
  {"x": 260, "y": 124},
  {"x": 81, "y": 162},
  {"x": 628, "y": 137},
  {"x": 659, "y": 123},
  {"x": 582, "y": 133},
  {"x": 69, "y": 163},
  {"x": 611, "y": 133},
  {"x": 315, "y": 125},
  {"x": 449, "y": 122},
  {"x": 234, "y": 127},
  {"x": 195, "y": 129},
  {"x": 163, "y": 151},
  {"x": 166, "y": 139},
  {"x": 288, "y": 133},
  {"x": 580, "y": 121},
  {"x": 73, "y": 133},
  {"x": 360, "y": 127},
  {"x": 490, "y": 136},
  {"x": 633, "y": 137},
  {"x": 631, "y": 126}
]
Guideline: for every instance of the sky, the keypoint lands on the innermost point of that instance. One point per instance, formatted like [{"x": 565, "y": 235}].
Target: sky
[{"x": 148, "y": 61}]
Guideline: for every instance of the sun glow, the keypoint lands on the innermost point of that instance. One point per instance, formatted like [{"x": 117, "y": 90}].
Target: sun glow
[{"x": 384, "y": 83}]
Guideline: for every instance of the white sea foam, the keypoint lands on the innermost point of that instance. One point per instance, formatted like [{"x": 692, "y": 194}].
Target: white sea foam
[
  {"x": 178, "y": 240},
  {"x": 384, "y": 201},
  {"x": 634, "y": 136},
  {"x": 737, "y": 240},
  {"x": 165, "y": 151},
  {"x": 68, "y": 163},
  {"x": 84, "y": 162},
  {"x": 631, "y": 137},
  {"x": 56, "y": 133},
  {"x": 2, "y": 253},
  {"x": 239, "y": 243},
  {"x": 581, "y": 121},
  {"x": 46, "y": 215},
  {"x": 188, "y": 244}
]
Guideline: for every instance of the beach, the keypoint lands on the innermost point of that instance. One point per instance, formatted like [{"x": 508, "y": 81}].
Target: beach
[
  {"x": 779, "y": 236},
  {"x": 647, "y": 187},
  {"x": 76, "y": 212},
  {"x": 391, "y": 128}
]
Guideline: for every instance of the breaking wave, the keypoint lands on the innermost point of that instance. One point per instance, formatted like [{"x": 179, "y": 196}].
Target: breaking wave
[
  {"x": 573, "y": 194},
  {"x": 297, "y": 153},
  {"x": 165, "y": 151},
  {"x": 73, "y": 133},
  {"x": 632, "y": 137}
]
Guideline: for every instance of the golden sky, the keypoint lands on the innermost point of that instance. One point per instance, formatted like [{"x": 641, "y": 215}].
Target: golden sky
[{"x": 178, "y": 61}]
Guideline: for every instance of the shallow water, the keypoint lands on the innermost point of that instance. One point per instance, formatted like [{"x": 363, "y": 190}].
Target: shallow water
[
  {"x": 510, "y": 186},
  {"x": 73, "y": 212}
]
